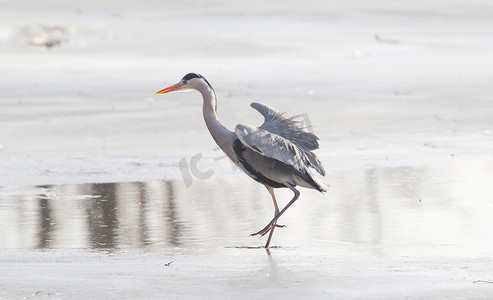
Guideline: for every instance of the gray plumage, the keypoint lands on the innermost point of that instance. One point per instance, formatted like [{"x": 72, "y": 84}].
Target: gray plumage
[
  {"x": 278, "y": 153},
  {"x": 292, "y": 131}
]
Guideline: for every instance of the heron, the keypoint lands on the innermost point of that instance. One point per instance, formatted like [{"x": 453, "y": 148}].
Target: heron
[{"x": 277, "y": 154}]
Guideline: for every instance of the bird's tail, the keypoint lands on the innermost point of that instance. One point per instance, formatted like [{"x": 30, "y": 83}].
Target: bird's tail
[{"x": 317, "y": 182}]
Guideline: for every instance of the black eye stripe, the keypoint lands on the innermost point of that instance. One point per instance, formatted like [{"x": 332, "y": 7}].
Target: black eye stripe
[{"x": 190, "y": 76}]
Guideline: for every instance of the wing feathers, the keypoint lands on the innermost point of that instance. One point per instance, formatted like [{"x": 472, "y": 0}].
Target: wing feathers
[
  {"x": 272, "y": 145},
  {"x": 281, "y": 137},
  {"x": 287, "y": 127}
]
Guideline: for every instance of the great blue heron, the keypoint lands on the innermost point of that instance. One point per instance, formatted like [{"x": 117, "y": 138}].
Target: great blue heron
[{"x": 277, "y": 154}]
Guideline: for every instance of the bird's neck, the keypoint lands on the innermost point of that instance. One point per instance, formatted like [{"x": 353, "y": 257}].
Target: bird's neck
[{"x": 220, "y": 133}]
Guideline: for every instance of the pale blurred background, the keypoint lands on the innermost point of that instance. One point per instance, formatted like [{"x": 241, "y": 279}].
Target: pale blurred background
[{"x": 399, "y": 93}]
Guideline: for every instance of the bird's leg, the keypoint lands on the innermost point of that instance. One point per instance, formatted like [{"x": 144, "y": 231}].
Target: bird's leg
[
  {"x": 273, "y": 222},
  {"x": 276, "y": 212},
  {"x": 276, "y": 208}
]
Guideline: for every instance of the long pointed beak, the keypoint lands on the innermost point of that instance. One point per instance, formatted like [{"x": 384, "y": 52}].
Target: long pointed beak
[{"x": 169, "y": 89}]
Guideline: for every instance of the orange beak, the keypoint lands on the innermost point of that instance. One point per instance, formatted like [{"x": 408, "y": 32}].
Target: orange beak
[{"x": 169, "y": 89}]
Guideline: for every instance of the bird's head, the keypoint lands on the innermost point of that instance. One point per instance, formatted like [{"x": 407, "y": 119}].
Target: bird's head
[{"x": 191, "y": 81}]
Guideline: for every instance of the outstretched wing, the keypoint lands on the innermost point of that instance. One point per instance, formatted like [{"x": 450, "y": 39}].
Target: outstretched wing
[
  {"x": 282, "y": 138},
  {"x": 287, "y": 127},
  {"x": 273, "y": 146}
]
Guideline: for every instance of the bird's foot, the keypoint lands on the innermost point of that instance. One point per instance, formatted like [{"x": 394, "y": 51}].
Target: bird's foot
[{"x": 267, "y": 228}]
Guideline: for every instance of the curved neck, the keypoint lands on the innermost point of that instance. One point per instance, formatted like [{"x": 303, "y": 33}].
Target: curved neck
[{"x": 220, "y": 133}]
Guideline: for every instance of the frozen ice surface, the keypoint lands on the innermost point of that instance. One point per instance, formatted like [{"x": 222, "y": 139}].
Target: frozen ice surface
[
  {"x": 240, "y": 273},
  {"x": 418, "y": 90}
]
